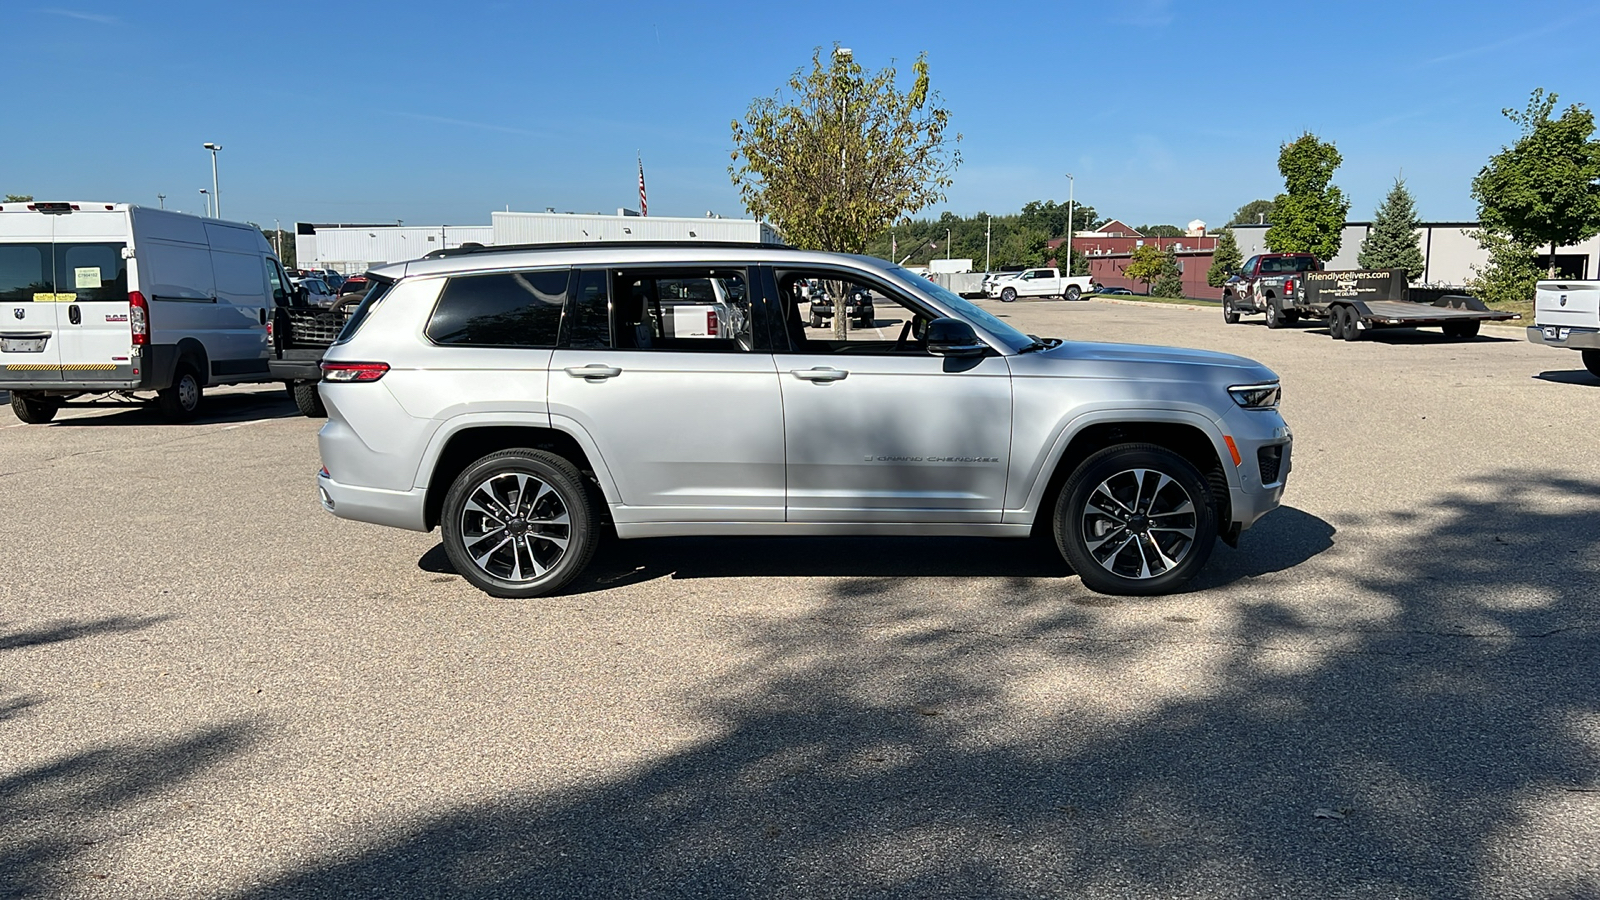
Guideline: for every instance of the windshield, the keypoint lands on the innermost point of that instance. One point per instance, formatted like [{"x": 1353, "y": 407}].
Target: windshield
[{"x": 1013, "y": 338}]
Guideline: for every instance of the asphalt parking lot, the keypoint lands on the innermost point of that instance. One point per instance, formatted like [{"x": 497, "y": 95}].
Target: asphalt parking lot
[{"x": 210, "y": 688}]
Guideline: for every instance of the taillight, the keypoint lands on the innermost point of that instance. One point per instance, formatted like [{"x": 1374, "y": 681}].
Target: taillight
[
  {"x": 138, "y": 318},
  {"x": 1288, "y": 285},
  {"x": 711, "y": 323},
  {"x": 343, "y": 372}
]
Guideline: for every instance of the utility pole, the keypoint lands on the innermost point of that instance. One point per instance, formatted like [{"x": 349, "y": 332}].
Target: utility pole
[
  {"x": 947, "y": 243},
  {"x": 277, "y": 239},
  {"x": 988, "y": 243},
  {"x": 216, "y": 198}
]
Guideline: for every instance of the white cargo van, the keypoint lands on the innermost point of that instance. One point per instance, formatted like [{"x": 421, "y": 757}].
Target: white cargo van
[{"x": 99, "y": 298}]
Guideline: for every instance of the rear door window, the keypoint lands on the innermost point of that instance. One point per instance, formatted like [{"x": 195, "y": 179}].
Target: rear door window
[
  {"x": 506, "y": 309},
  {"x": 25, "y": 270},
  {"x": 91, "y": 272}
]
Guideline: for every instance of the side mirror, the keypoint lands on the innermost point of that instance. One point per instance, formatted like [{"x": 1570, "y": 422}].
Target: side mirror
[{"x": 953, "y": 337}]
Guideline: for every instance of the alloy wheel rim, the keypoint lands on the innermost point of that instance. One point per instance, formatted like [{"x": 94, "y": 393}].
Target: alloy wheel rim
[
  {"x": 516, "y": 527},
  {"x": 1139, "y": 524}
]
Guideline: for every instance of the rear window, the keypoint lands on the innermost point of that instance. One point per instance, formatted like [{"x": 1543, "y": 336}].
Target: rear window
[
  {"x": 509, "y": 309},
  {"x": 24, "y": 271},
  {"x": 373, "y": 297},
  {"x": 1280, "y": 264},
  {"x": 83, "y": 272}
]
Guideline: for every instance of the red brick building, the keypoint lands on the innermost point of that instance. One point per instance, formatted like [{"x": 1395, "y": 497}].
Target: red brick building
[{"x": 1109, "y": 248}]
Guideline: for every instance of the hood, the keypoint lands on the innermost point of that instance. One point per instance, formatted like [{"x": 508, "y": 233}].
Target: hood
[
  {"x": 1149, "y": 367},
  {"x": 1151, "y": 355}
]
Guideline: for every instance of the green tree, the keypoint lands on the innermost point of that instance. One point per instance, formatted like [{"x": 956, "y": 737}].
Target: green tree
[
  {"x": 1253, "y": 213},
  {"x": 1225, "y": 260},
  {"x": 1169, "y": 283},
  {"x": 1160, "y": 231},
  {"x": 18, "y": 198},
  {"x": 1022, "y": 247},
  {"x": 1512, "y": 274},
  {"x": 1146, "y": 264},
  {"x": 1309, "y": 216},
  {"x": 1393, "y": 242},
  {"x": 1544, "y": 189}
]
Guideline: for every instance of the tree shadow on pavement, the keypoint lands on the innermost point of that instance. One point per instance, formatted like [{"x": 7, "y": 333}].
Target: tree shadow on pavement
[
  {"x": 1426, "y": 727},
  {"x": 57, "y": 812},
  {"x": 61, "y": 630}
]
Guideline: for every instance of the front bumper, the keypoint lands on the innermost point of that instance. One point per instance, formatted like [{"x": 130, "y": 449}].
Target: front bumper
[
  {"x": 1569, "y": 337},
  {"x": 397, "y": 509},
  {"x": 1265, "y": 444}
]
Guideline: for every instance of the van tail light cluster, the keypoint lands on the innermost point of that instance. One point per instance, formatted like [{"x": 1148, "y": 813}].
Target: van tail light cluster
[
  {"x": 353, "y": 372},
  {"x": 139, "y": 319}
]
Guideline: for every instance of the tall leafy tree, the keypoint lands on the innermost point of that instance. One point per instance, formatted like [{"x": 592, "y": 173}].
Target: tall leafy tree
[
  {"x": 18, "y": 198},
  {"x": 1146, "y": 264},
  {"x": 1253, "y": 213},
  {"x": 1544, "y": 189},
  {"x": 1225, "y": 260},
  {"x": 1309, "y": 216},
  {"x": 1393, "y": 242},
  {"x": 1512, "y": 275},
  {"x": 1160, "y": 231}
]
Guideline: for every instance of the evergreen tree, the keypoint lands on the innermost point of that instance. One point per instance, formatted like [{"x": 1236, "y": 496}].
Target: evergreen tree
[
  {"x": 1393, "y": 242},
  {"x": 1225, "y": 261},
  {"x": 1169, "y": 283}
]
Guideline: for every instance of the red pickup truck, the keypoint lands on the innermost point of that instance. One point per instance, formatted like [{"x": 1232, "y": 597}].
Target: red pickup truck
[{"x": 1266, "y": 284}]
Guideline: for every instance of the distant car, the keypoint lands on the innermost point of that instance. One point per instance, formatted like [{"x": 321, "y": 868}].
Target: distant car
[
  {"x": 355, "y": 284},
  {"x": 317, "y": 291},
  {"x": 1113, "y": 290},
  {"x": 333, "y": 279}
]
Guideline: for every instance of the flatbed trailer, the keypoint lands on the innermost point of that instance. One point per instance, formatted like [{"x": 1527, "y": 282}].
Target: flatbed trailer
[{"x": 1356, "y": 302}]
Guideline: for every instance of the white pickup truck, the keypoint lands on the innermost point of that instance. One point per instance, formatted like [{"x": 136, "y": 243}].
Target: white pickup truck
[
  {"x": 1567, "y": 314},
  {"x": 1039, "y": 283}
]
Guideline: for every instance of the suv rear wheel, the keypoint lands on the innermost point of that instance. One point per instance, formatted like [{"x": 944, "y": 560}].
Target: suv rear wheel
[
  {"x": 1135, "y": 519},
  {"x": 519, "y": 523}
]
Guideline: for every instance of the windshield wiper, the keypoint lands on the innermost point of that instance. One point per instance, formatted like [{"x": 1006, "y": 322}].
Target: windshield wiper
[{"x": 1040, "y": 343}]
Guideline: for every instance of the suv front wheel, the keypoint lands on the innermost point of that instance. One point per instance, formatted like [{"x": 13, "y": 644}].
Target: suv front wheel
[
  {"x": 519, "y": 523},
  {"x": 1135, "y": 519}
]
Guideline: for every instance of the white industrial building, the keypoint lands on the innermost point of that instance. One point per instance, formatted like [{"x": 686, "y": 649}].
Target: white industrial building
[
  {"x": 352, "y": 247},
  {"x": 1449, "y": 252}
]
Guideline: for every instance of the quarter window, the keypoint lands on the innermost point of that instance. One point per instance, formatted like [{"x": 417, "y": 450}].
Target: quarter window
[{"x": 510, "y": 309}]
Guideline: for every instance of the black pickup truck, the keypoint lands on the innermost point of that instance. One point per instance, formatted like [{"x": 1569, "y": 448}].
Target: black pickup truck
[
  {"x": 1287, "y": 287},
  {"x": 300, "y": 334}
]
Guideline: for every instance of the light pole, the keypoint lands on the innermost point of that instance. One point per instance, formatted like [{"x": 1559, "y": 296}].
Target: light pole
[
  {"x": 947, "y": 243},
  {"x": 988, "y": 243},
  {"x": 163, "y": 199},
  {"x": 1072, "y": 184},
  {"x": 207, "y": 195},
  {"x": 216, "y": 198}
]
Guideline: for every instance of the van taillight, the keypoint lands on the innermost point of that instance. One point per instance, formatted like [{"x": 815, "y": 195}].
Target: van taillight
[
  {"x": 342, "y": 372},
  {"x": 138, "y": 318}
]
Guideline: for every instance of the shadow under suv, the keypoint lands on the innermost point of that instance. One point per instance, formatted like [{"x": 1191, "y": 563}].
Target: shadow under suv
[{"x": 521, "y": 398}]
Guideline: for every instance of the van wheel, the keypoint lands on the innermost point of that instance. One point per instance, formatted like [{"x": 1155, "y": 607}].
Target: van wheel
[
  {"x": 1591, "y": 361},
  {"x": 33, "y": 410},
  {"x": 519, "y": 523},
  {"x": 308, "y": 400},
  {"x": 1135, "y": 519},
  {"x": 180, "y": 402}
]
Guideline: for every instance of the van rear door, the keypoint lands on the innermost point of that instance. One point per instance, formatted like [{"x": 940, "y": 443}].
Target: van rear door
[
  {"x": 30, "y": 349},
  {"x": 92, "y": 295}
]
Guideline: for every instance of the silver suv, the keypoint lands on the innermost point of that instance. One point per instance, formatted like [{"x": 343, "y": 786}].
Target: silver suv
[{"x": 526, "y": 399}]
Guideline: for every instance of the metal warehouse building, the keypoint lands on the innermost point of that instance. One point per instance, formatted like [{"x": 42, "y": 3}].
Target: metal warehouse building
[{"x": 352, "y": 248}]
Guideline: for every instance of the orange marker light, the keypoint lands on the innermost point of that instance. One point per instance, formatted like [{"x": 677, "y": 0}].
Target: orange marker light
[{"x": 1237, "y": 460}]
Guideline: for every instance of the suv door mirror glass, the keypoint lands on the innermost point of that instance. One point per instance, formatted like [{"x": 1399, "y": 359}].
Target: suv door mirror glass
[{"x": 953, "y": 337}]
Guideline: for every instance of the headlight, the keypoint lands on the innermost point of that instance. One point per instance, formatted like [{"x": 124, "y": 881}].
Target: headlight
[{"x": 1257, "y": 396}]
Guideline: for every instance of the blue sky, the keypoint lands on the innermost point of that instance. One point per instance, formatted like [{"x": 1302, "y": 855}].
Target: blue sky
[{"x": 438, "y": 112}]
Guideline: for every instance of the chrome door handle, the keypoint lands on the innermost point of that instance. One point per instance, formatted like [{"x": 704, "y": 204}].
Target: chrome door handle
[
  {"x": 593, "y": 372},
  {"x": 820, "y": 373}
]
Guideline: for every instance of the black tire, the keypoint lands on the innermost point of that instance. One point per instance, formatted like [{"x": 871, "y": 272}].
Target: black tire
[
  {"x": 1008, "y": 295},
  {"x": 288, "y": 389},
  {"x": 33, "y": 410},
  {"x": 1462, "y": 330},
  {"x": 1591, "y": 361},
  {"x": 1073, "y": 292},
  {"x": 1110, "y": 472},
  {"x": 1336, "y": 322},
  {"x": 497, "y": 477},
  {"x": 1230, "y": 313},
  {"x": 181, "y": 402},
  {"x": 1274, "y": 313},
  {"x": 308, "y": 400},
  {"x": 1352, "y": 325},
  {"x": 816, "y": 322}
]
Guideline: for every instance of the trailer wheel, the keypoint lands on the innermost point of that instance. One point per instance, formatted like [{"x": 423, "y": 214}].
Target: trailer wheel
[
  {"x": 1274, "y": 313},
  {"x": 1591, "y": 361},
  {"x": 1352, "y": 325},
  {"x": 1462, "y": 329},
  {"x": 1230, "y": 313}
]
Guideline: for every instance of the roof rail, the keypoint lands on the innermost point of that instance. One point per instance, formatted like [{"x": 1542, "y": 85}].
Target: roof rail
[{"x": 469, "y": 249}]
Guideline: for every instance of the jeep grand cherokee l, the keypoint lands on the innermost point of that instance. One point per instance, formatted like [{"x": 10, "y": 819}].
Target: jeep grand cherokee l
[{"x": 521, "y": 399}]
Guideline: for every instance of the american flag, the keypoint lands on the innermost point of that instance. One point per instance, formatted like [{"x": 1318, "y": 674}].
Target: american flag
[{"x": 644, "y": 208}]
